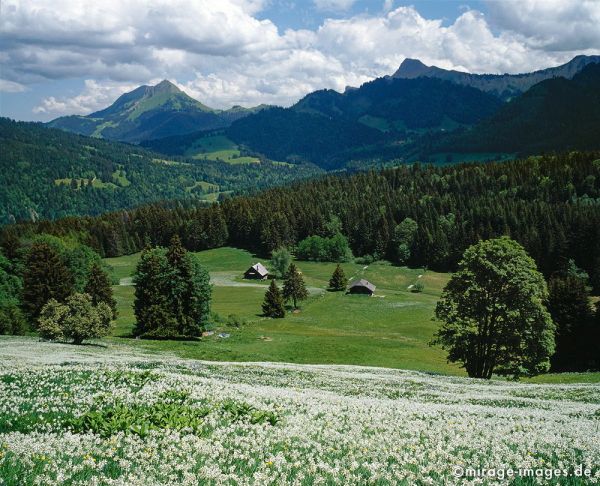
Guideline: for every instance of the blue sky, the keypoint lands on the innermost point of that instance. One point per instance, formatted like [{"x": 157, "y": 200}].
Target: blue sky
[{"x": 60, "y": 57}]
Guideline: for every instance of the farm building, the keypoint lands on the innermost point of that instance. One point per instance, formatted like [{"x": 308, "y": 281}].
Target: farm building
[
  {"x": 362, "y": 287},
  {"x": 257, "y": 272}
]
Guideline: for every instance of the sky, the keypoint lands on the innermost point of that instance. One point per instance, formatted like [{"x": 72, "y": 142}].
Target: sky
[{"x": 62, "y": 57}]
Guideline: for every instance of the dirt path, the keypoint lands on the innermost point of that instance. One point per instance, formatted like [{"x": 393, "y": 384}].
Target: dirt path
[{"x": 227, "y": 279}]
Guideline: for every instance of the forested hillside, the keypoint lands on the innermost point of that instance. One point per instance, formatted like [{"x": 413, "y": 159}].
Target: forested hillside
[
  {"x": 549, "y": 204},
  {"x": 404, "y": 104},
  {"x": 287, "y": 135},
  {"x": 557, "y": 114},
  {"x": 49, "y": 173}
]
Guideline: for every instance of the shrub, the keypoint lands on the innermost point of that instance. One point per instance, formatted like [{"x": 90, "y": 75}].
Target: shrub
[
  {"x": 77, "y": 319},
  {"x": 418, "y": 287}
]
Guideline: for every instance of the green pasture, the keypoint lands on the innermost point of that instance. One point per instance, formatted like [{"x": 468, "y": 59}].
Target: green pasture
[{"x": 391, "y": 329}]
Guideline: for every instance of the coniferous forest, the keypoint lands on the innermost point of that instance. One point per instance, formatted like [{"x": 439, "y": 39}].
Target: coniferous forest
[{"x": 550, "y": 204}]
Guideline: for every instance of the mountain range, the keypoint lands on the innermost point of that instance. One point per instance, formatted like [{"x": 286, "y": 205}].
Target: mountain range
[
  {"x": 556, "y": 114},
  {"x": 416, "y": 112},
  {"x": 504, "y": 86},
  {"x": 150, "y": 112}
]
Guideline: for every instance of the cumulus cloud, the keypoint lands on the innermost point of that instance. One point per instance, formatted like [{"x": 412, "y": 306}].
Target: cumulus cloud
[
  {"x": 94, "y": 97},
  {"x": 223, "y": 54},
  {"x": 552, "y": 25}
]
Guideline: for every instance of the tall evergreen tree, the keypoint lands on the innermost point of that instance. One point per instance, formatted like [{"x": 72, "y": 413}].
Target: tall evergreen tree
[
  {"x": 46, "y": 277},
  {"x": 338, "y": 280},
  {"x": 99, "y": 288},
  {"x": 179, "y": 284},
  {"x": 294, "y": 288},
  {"x": 198, "y": 308},
  {"x": 172, "y": 294},
  {"x": 569, "y": 306},
  {"x": 151, "y": 305},
  {"x": 273, "y": 304}
]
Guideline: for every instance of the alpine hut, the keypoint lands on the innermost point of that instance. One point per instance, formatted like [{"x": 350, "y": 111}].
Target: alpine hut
[
  {"x": 257, "y": 272},
  {"x": 362, "y": 287}
]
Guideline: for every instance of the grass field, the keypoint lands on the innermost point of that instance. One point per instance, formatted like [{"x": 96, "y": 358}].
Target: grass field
[
  {"x": 391, "y": 329},
  {"x": 115, "y": 415},
  {"x": 219, "y": 147}
]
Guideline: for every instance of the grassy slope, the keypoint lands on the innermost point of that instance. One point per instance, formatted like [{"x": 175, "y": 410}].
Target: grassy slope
[
  {"x": 390, "y": 330},
  {"x": 218, "y": 147}
]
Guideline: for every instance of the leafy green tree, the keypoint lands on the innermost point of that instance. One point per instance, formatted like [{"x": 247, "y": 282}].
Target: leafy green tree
[
  {"x": 12, "y": 320},
  {"x": 46, "y": 277},
  {"x": 99, "y": 288},
  {"x": 294, "y": 288},
  {"x": 404, "y": 239},
  {"x": 493, "y": 313},
  {"x": 280, "y": 261},
  {"x": 273, "y": 305},
  {"x": 76, "y": 319},
  {"x": 338, "y": 280},
  {"x": 319, "y": 249}
]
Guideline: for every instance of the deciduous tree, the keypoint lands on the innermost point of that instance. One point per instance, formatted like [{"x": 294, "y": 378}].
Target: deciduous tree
[{"x": 493, "y": 315}]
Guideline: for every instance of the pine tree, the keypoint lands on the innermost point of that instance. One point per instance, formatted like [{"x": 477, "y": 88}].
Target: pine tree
[
  {"x": 99, "y": 288},
  {"x": 151, "y": 307},
  {"x": 294, "y": 288},
  {"x": 273, "y": 303},
  {"x": 180, "y": 289},
  {"x": 46, "y": 277},
  {"x": 568, "y": 304},
  {"x": 338, "y": 280}
]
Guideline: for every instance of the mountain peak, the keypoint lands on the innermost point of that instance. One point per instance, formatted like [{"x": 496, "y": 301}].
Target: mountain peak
[
  {"x": 411, "y": 68},
  {"x": 165, "y": 86}
]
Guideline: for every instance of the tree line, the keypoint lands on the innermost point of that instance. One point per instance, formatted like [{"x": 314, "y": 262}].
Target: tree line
[{"x": 415, "y": 215}]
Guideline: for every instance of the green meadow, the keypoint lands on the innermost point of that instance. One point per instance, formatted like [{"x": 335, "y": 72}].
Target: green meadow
[
  {"x": 391, "y": 329},
  {"x": 219, "y": 147}
]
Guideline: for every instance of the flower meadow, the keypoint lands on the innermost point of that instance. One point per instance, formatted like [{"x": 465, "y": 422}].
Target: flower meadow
[{"x": 99, "y": 415}]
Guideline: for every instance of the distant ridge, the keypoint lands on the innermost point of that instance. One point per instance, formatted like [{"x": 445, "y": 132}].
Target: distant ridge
[
  {"x": 150, "y": 112},
  {"x": 504, "y": 86}
]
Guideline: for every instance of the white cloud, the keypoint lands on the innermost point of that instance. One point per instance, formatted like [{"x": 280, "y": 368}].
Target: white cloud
[
  {"x": 334, "y": 5},
  {"x": 553, "y": 25},
  {"x": 94, "y": 97},
  {"x": 11, "y": 87},
  {"x": 222, "y": 54}
]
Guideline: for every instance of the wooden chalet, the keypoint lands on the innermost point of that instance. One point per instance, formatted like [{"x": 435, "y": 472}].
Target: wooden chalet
[
  {"x": 362, "y": 286},
  {"x": 257, "y": 272}
]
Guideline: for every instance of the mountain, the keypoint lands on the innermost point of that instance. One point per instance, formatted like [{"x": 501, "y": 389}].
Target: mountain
[
  {"x": 150, "y": 112},
  {"x": 404, "y": 104},
  {"x": 332, "y": 129},
  {"x": 504, "y": 86},
  {"x": 556, "y": 114},
  {"x": 49, "y": 173},
  {"x": 294, "y": 136}
]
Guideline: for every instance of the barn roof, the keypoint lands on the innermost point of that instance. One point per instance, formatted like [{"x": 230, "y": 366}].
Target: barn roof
[
  {"x": 260, "y": 268},
  {"x": 364, "y": 283}
]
